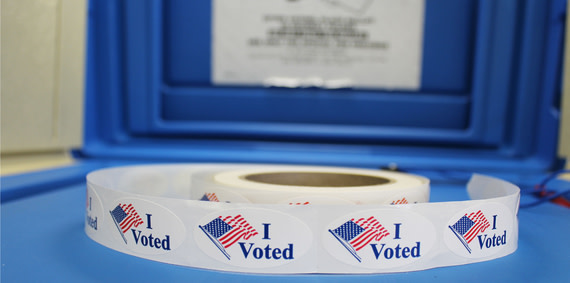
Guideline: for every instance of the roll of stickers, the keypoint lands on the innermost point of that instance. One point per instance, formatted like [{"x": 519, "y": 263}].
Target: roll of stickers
[{"x": 296, "y": 219}]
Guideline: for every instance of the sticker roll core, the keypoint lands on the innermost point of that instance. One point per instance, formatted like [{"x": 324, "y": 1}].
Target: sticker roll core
[
  {"x": 311, "y": 185},
  {"x": 315, "y": 179},
  {"x": 284, "y": 219}
]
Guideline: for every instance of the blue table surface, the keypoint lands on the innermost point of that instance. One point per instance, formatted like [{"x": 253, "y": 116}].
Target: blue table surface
[{"x": 43, "y": 241}]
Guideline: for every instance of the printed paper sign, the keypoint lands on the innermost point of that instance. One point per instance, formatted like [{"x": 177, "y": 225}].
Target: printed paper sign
[{"x": 318, "y": 43}]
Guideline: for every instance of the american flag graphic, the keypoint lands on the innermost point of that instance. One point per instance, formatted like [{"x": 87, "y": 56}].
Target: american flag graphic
[
  {"x": 210, "y": 197},
  {"x": 125, "y": 217},
  {"x": 226, "y": 231},
  {"x": 400, "y": 201},
  {"x": 469, "y": 226},
  {"x": 357, "y": 234},
  {"x": 299, "y": 203}
]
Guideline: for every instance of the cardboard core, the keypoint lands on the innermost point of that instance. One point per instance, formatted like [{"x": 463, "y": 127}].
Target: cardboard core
[{"x": 316, "y": 179}]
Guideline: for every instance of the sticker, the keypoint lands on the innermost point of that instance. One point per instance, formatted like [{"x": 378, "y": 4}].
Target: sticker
[
  {"x": 144, "y": 181},
  {"x": 318, "y": 43},
  {"x": 253, "y": 238},
  {"x": 480, "y": 231},
  {"x": 406, "y": 198},
  {"x": 218, "y": 195},
  {"x": 145, "y": 227},
  {"x": 313, "y": 199},
  {"x": 93, "y": 211},
  {"x": 380, "y": 238}
]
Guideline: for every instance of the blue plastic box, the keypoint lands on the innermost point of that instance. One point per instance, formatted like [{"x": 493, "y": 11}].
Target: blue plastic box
[{"x": 488, "y": 103}]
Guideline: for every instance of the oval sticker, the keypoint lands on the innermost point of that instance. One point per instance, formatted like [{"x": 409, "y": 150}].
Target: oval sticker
[
  {"x": 146, "y": 227},
  {"x": 380, "y": 238},
  {"x": 480, "y": 231},
  {"x": 253, "y": 237},
  {"x": 93, "y": 211}
]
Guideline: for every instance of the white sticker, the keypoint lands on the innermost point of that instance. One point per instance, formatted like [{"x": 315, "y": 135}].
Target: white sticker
[
  {"x": 93, "y": 211},
  {"x": 217, "y": 195},
  {"x": 380, "y": 238},
  {"x": 253, "y": 238},
  {"x": 408, "y": 197},
  {"x": 321, "y": 43},
  {"x": 480, "y": 231},
  {"x": 315, "y": 199},
  {"x": 145, "y": 227}
]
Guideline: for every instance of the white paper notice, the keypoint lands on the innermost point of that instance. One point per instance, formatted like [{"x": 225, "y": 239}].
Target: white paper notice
[{"x": 318, "y": 43}]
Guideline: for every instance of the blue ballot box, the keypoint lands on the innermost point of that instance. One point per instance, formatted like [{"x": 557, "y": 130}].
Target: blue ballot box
[{"x": 451, "y": 88}]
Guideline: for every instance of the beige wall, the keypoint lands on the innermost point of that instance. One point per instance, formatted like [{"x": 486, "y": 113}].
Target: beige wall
[{"x": 42, "y": 75}]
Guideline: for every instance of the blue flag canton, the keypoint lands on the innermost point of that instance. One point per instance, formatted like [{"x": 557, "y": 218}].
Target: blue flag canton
[
  {"x": 348, "y": 230},
  {"x": 119, "y": 214},
  {"x": 463, "y": 225},
  {"x": 217, "y": 227}
]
